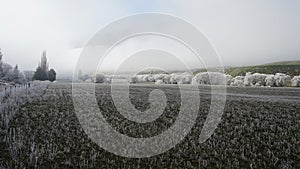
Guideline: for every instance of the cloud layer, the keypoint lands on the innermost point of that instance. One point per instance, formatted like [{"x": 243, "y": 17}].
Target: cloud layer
[{"x": 244, "y": 32}]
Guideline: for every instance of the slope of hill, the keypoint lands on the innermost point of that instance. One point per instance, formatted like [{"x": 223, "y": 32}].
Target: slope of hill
[
  {"x": 291, "y": 68},
  {"x": 295, "y": 62}
]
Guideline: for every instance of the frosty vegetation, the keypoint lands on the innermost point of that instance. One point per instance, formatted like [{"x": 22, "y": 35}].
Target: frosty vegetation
[
  {"x": 13, "y": 97},
  {"x": 257, "y": 79},
  {"x": 237, "y": 81},
  {"x": 205, "y": 78},
  {"x": 183, "y": 78},
  {"x": 101, "y": 78},
  {"x": 217, "y": 78},
  {"x": 174, "y": 78},
  {"x": 159, "y": 82},
  {"x": 9, "y": 73},
  {"x": 296, "y": 81},
  {"x": 209, "y": 78},
  {"x": 202, "y": 78}
]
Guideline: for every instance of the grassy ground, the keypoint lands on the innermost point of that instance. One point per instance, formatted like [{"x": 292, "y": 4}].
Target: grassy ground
[{"x": 259, "y": 129}]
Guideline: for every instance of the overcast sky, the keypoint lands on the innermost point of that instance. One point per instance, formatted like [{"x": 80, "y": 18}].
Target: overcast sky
[{"x": 244, "y": 32}]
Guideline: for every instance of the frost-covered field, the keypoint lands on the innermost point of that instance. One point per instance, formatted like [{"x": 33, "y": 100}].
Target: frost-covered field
[{"x": 259, "y": 129}]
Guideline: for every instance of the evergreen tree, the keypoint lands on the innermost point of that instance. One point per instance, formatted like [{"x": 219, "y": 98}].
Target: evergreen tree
[
  {"x": 52, "y": 75},
  {"x": 40, "y": 74},
  {"x": 15, "y": 75},
  {"x": 1, "y": 65}
]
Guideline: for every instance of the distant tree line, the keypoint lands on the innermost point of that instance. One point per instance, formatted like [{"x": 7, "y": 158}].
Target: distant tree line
[{"x": 9, "y": 73}]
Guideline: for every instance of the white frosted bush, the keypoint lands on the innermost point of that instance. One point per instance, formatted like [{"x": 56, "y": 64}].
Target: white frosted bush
[
  {"x": 150, "y": 78},
  {"x": 88, "y": 81},
  {"x": 146, "y": 78},
  {"x": 181, "y": 78},
  {"x": 228, "y": 79},
  {"x": 296, "y": 81},
  {"x": 167, "y": 79},
  {"x": 101, "y": 78},
  {"x": 139, "y": 78},
  {"x": 159, "y": 82},
  {"x": 282, "y": 80},
  {"x": 159, "y": 77},
  {"x": 164, "y": 77},
  {"x": 142, "y": 78},
  {"x": 133, "y": 79},
  {"x": 255, "y": 79},
  {"x": 237, "y": 81},
  {"x": 174, "y": 77},
  {"x": 270, "y": 81},
  {"x": 209, "y": 78}
]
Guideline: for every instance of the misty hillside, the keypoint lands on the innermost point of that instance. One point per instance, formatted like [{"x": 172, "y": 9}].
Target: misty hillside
[
  {"x": 295, "y": 62},
  {"x": 291, "y": 68}
]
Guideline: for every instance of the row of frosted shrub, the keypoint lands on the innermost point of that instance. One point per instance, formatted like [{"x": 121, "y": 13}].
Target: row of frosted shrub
[{"x": 216, "y": 78}]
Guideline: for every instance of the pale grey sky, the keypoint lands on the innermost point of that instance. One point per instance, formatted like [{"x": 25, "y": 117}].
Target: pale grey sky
[{"x": 244, "y": 32}]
